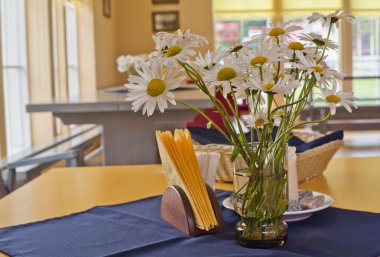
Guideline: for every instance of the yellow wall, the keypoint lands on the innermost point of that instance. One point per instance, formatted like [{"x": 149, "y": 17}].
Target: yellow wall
[
  {"x": 87, "y": 62},
  {"x": 129, "y": 31},
  {"x": 40, "y": 77},
  {"x": 105, "y": 46}
]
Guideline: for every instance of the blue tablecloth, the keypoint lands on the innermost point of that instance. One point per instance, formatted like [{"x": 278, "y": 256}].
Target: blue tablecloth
[{"x": 135, "y": 229}]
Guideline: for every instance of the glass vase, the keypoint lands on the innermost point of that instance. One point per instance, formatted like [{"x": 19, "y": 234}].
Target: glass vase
[{"x": 260, "y": 199}]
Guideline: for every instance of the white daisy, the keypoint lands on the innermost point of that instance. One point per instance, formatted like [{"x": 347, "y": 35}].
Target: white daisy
[
  {"x": 171, "y": 48},
  {"x": 241, "y": 48},
  {"x": 261, "y": 55},
  {"x": 209, "y": 60},
  {"x": 319, "y": 70},
  {"x": 333, "y": 97},
  {"x": 294, "y": 47},
  {"x": 256, "y": 120},
  {"x": 331, "y": 18},
  {"x": 281, "y": 31},
  {"x": 319, "y": 41},
  {"x": 161, "y": 40},
  {"x": 124, "y": 63},
  {"x": 152, "y": 87},
  {"x": 187, "y": 36},
  {"x": 249, "y": 95},
  {"x": 223, "y": 76},
  {"x": 284, "y": 85}
]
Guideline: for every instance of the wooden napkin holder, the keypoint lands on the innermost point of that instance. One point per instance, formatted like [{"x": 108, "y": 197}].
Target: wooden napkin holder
[{"x": 177, "y": 211}]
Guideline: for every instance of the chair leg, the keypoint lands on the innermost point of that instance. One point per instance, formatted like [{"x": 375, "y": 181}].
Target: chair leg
[
  {"x": 72, "y": 162},
  {"x": 3, "y": 189},
  {"x": 80, "y": 158},
  {"x": 11, "y": 180}
]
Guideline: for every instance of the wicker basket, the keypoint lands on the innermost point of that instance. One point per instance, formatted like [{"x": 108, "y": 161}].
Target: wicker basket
[{"x": 310, "y": 164}]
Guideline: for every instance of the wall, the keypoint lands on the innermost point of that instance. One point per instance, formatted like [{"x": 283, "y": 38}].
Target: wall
[
  {"x": 129, "y": 31},
  {"x": 106, "y": 46},
  {"x": 39, "y": 67},
  {"x": 87, "y": 61}
]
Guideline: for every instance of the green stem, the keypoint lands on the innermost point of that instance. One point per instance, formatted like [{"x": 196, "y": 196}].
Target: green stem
[{"x": 327, "y": 39}]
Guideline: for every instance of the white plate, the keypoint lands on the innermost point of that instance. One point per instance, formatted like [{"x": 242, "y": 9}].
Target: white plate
[{"x": 294, "y": 215}]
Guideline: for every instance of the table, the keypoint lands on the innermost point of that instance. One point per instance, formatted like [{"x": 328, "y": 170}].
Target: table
[
  {"x": 352, "y": 182},
  {"x": 128, "y": 137},
  {"x": 365, "y": 117}
]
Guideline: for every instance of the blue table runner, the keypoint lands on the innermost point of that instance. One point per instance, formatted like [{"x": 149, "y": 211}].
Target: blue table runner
[{"x": 135, "y": 229}]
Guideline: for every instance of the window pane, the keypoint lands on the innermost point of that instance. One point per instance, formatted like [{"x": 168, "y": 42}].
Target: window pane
[
  {"x": 15, "y": 85},
  {"x": 17, "y": 122},
  {"x": 230, "y": 32},
  {"x": 13, "y": 32},
  {"x": 366, "y": 58},
  {"x": 227, "y": 33}
]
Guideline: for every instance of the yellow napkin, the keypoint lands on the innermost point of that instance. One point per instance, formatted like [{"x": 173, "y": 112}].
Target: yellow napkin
[{"x": 182, "y": 168}]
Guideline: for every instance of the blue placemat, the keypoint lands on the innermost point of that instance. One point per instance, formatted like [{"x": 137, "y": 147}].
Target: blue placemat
[{"x": 135, "y": 229}]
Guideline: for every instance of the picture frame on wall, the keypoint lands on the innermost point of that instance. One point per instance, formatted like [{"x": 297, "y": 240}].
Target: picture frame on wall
[
  {"x": 165, "y": 21},
  {"x": 107, "y": 8},
  {"x": 165, "y": 1}
]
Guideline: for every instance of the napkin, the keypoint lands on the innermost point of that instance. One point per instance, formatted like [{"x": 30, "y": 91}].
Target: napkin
[
  {"x": 181, "y": 168},
  {"x": 208, "y": 163}
]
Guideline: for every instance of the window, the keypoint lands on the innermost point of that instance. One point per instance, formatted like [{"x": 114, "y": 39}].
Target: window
[
  {"x": 365, "y": 57},
  {"x": 332, "y": 57},
  {"x": 15, "y": 76},
  {"x": 235, "y": 22},
  {"x": 227, "y": 33}
]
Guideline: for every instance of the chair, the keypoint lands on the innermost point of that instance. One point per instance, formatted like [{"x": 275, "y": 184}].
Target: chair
[{"x": 214, "y": 115}]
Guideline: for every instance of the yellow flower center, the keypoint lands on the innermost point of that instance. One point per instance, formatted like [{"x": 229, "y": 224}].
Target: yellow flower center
[
  {"x": 334, "y": 19},
  {"x": 183, "y": 31},
  {"x": 268, "y": 86},
  {"x": 281, "y": 75},
  {"x": 296, "y": 46},
  {"x": 155, "y": 87},
  {"x": 258, "y": 60},
  {"x": 318, "y": 69},
  {"x": 226, "y": 74},
  {"x": 333, "y": 99},
  {"x": 276, "y": 32},
  {"x": 318, "y": 42},
  {"x": 259, "y": 122},
  {"x": 173, "y": 51}
]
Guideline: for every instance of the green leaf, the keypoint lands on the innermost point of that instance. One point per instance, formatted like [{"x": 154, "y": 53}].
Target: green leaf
[{"x": 209, "y": 124}]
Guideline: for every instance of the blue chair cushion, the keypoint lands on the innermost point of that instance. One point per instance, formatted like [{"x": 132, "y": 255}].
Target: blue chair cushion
[{"x": 206, "y": 136}]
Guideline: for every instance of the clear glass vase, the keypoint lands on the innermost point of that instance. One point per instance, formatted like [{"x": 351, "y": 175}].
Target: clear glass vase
[{"x": 260, "y": 199}]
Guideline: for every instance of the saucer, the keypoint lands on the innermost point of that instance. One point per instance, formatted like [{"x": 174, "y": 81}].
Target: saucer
[{"x": 294, "y": 215}]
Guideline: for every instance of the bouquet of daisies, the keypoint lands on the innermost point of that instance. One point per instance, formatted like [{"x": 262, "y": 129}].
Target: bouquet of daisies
[
  {"x": 274, "y": 73},
  {"x": 277, "y": 60},
  {"x": 130, "y": 63}
]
